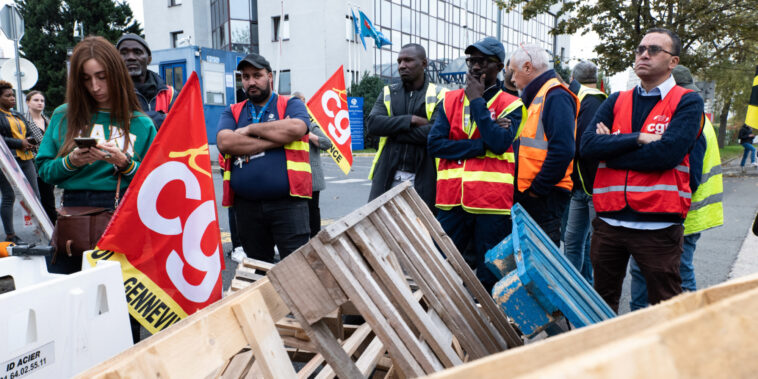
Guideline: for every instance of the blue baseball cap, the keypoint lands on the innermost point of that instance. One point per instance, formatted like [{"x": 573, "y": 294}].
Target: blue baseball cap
[{"x": 488, "y": 46}]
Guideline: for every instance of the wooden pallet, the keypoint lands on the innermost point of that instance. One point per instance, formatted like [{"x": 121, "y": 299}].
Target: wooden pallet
[
  {"x": 201, "y": 345},
  {"x": 364, "y": 259},
  {"x": 356, "y": 340},
  {"x": 708, "y": 333}
]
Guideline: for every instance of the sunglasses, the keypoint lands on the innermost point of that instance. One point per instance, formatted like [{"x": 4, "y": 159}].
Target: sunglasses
[
  {"x": 480, "y": 61},
  {"x": 651, "y": 50}
]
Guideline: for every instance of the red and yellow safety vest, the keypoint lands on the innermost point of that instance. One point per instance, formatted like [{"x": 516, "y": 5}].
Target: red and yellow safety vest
[
  {"x": 533, "y": 141},
  {"x": 296, "y": 153},
  {"x": 482, "y": 184},
  {"x": 661, "y": 192}
]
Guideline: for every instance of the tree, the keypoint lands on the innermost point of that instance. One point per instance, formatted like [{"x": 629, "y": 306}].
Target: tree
[
  {"x": 369, "y": 87},
  {"x": 49, "y": 33},
  {"x": 717, "y": 36},
  {"x": 561, "y": 70},
  {"x": 707, "y": 28}
]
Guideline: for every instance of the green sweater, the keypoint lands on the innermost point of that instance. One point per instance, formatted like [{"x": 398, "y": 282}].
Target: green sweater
[{"x": 99, "y": 175}]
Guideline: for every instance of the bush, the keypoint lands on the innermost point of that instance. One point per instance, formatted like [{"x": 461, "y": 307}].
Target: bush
[{"x": 369, "y": 88}]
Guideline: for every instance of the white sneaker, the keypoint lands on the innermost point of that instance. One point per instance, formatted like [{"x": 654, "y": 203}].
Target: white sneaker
[
  {"x": 754, "y": 164},
  {"x": 238, "y": 254}
]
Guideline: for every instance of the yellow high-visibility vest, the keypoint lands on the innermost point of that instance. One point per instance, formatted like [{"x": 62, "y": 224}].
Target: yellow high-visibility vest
[
  {"x": 707, "y": 208},
  {"x": 434, "y": 94}
]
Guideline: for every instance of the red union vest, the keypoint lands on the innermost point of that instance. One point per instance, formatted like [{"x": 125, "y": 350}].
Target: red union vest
[
  {"x": 296, "y": 153},
  {"x": 163, "y": 100},
  {"x": 661, "y": 192},
  {"x": 482, "y": 184}
]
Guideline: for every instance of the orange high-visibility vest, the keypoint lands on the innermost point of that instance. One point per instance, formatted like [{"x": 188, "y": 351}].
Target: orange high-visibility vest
[
  {"x": 482, "y": 184},
  {"x": 661, "y": 192},
  {"x": 533, "y": 141},
  {"x": 296, "y": 153}
]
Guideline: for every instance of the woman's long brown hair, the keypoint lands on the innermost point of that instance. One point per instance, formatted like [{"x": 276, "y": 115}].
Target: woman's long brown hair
[{"x": 82, "y": 106}]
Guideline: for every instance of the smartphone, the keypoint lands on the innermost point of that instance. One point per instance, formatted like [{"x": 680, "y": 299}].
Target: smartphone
[{"x": 85, "y": 142}]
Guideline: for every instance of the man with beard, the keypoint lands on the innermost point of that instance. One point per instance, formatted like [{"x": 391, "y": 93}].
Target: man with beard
[
  {"x": 155, "y": 97},
  {"x": 402, "y": 116},
  {"x": 472, "y": 137},
  {"x": 265, "y": 139}
]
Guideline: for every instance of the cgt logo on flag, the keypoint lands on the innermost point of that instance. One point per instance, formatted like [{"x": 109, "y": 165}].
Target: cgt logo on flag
[
  {"x": 165, "y": 233},
  {"x": 328, "y": 107}
]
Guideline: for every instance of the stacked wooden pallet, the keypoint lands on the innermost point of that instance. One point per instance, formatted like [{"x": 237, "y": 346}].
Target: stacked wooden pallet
[
  {"x": 424, "y": 310},
  {"x": 705, "y": 334},
  {"x": 356, "y": 340},
  {"x": 364, "y": 259}
]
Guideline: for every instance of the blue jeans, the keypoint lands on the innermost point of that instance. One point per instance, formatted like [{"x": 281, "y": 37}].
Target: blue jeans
[
  {"x": 686, "y": 271},
  {"x": 749, "y": 149},
  {"x": 579, "y": 232}
]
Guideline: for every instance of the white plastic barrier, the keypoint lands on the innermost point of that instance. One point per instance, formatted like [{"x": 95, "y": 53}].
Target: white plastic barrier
[{"x": 54, "y": 326}]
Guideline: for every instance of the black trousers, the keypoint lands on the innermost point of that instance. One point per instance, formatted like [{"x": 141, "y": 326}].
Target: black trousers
[
  {"x": 263, "y": 224},
  {"x": 47, "y": 198},
  {"x": 547, "y": 211},
  {"x": 314, "y": 214},
  {"x": 474, "y": 234}
]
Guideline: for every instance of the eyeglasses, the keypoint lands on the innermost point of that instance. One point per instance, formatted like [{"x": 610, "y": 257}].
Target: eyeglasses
[
  {"x": 480, "y": 61},
  {"x": 652, "y": 50}
]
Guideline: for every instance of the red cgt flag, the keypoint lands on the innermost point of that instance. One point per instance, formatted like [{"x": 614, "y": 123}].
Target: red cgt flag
[
  {"x": 165, "y": 232},
  {"x": 328, "y": 107}
]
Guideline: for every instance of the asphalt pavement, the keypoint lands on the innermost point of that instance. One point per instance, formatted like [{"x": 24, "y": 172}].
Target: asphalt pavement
[{"x": 723, "y": 252}]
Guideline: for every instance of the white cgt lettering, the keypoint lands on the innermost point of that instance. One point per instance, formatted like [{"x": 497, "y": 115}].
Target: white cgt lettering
[
  {"x": 340, "y": 134},
  {"x": 192, "y": 233}
]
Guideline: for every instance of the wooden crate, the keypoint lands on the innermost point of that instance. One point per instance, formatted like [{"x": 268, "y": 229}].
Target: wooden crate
[
  {"x": 201, "y": 345},
  {"x": 364, "y": 259},
  {"x": 356, "y": 340},
  {"x": 708, "y": 333}
]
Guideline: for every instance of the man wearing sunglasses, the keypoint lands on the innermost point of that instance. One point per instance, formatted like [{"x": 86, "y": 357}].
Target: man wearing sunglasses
[
  {"x": 472, "y": 136},
  {"x": 643, "y": 138},
  {"x": 545, "y": 147}
]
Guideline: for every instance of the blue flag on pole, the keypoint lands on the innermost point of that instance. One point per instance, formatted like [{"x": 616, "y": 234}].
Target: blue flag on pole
[
  {"x": 367, "y": 29},
  {"x": 357, "y": 29}
]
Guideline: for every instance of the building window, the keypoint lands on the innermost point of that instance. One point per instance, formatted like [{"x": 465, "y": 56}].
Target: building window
[
  {"x": 174, "y": 74},
  {"x": 173, "y": 3},
  {"x": 281, "y": 29},
  {"x": 285, "y": 86},
  {"x": 176, "y": 38}
]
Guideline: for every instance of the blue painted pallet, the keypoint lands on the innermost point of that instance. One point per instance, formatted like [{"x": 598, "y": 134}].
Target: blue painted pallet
[{"x": 537, "y": 280}]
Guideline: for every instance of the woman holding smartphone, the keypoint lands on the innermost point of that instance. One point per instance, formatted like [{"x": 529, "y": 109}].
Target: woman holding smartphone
[
  {"x": 13, "y": 128},
  {"x": 100, "y": 104}
]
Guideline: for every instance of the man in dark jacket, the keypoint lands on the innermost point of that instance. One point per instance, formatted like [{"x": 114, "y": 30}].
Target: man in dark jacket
[
  {"x": 545, "y": 147},
  {"x": 402, "y": 116},
  {"x": 581, "y": 212},
  {"x": 746, "y": 140},
  {"x": 155, "y": 97}
]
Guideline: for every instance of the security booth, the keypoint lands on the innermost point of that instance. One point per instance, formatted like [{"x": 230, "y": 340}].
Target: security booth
[{"x": 216, "y": 71}]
